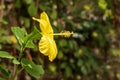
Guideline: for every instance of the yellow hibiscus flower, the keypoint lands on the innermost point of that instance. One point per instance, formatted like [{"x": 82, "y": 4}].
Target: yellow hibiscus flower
[{"x": 47, "y": 45}]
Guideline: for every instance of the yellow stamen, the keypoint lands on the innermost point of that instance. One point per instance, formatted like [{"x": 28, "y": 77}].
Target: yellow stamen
[{"x": 64, "y": 34}]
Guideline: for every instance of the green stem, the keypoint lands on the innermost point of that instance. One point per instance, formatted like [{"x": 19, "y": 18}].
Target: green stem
[{"x": 19, "y": 58}]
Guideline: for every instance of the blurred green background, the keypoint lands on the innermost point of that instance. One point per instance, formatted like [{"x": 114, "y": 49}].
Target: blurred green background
[{"x": 91, "y": 53}]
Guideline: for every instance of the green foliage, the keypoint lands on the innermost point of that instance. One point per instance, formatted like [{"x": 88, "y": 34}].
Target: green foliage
[
  {"x": 17, "y": 3},
  {"x": 102, "y": 4},
  {"x": 34, "y": 35},
  {"x": 4, "y": 54},
  {"x": 26, "y": 22},
  {"x": 33, "y": 69},
  {"x": 5, "y": 72},
  {"x": 32, "y": 10},
  {"x": 28, "y": 1},
  {"x": 92, "y": 53},
  {"x": 24, "y": 39},
  {"x": 19, "y": 34},
  {"x": 2, "y": 78},
  {"x": 15, "y": 61}
]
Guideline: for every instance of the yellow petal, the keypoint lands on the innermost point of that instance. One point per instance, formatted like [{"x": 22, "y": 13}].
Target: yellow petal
[
  {"x": 38, "y": 20},
  {"x": 45, "y": 30},
  {"x": 52, "y": 50},
  {"x": 48, "y": 26},
  {"x": 44, "y": 45},
  {"x": 47, "y": 46},
  {"x": 42, "y": 23}
]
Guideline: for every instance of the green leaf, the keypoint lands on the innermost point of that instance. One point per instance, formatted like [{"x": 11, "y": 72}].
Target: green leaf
[
  {"x": 4, "y": 54},
  {"x": 84, "y": 70},
  {"x": 4, "y": 21},
  {"x": 63, "y": 43},
  {"x": 33, "y": 69},
  {"x": 87, "y": 24},
  {"x": 63, "y": 65},
  {"x": 2, "y": 78},
  {"x": 5, "y": 72},
  {"x": 68, "y": 71},
  {"x": 79, "y": 63},
  {"x": 44, "y": 7},
  {"x": 94, "y": 65},
  {"x": 19, "y": 34},
  {"x": 60, "y": 55},
  {"x": 34, "y": 35},
  {"x": 15, "y": 61},
  {"x": 0, "y": 46},
  {"x": 32, "y": 10},
  {"x": 28, "y": 1},
  {"x": 18, "y": 3},
  {"x": 102, "y": 4},
  {"x": 52, "y": 68},
  {"x": 54, "y": 15},
  {"x": 30, "y": 44},
  {"x": 27, "y": 21},
  {"x": 65, "y": 2}
]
